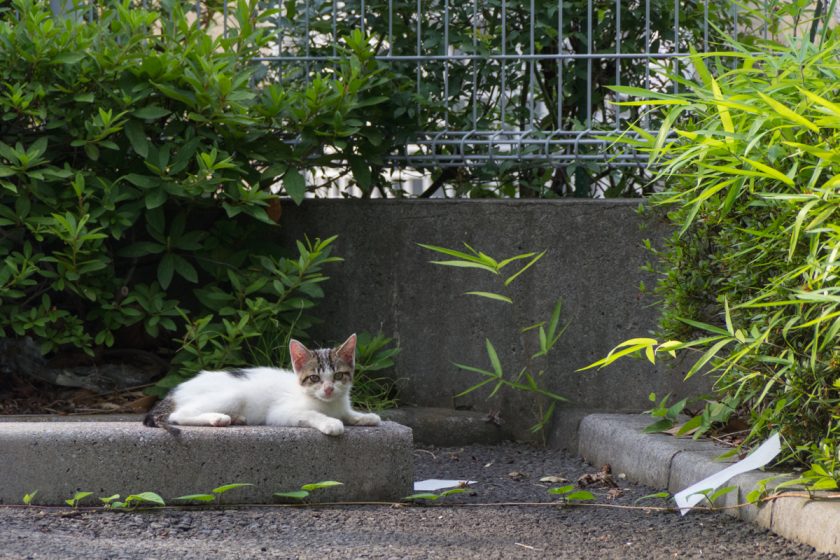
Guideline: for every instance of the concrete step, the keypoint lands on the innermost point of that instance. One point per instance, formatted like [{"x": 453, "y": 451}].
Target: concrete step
[
  {"x": 444, "y": 427},
  {"x": 58, "y": 458},
  {"x": 663, "y": 461}
]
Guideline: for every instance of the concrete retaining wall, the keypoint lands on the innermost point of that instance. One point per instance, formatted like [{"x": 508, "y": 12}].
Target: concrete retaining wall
[{"x": 593, "y": 263}]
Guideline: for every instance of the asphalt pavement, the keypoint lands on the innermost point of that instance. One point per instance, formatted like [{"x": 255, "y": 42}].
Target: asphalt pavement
[{"x": 508, "y": 513}]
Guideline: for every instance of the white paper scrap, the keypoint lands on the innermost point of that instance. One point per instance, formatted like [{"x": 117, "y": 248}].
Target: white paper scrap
[
  {"x": 437, "y": 484},
  {"x": 765, "y": 453}
]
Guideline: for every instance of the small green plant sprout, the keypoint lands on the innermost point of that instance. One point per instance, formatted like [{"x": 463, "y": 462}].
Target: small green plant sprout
[
  {"x": 215, "y": 494},
  {"x": 817, "y": 478},
  {"x": 668, "y": 414},
  {"x": 759, "y": 493},
  {"x": 108, "y": 502},
  {"x": 432, "y": 497},
  {"x": 133, "y": 501},
  {"x": 655, "y": 496},
  {"x": 28, "y": 497},
  {"x": 77, "y": 498},
  {"x": 306, "y": 490},
  {"x": 479, "y": 260},
  {"x": 711, "y": 495},
  {"x": 525, "y": 380},
  {"x": 570, "y": 495}
]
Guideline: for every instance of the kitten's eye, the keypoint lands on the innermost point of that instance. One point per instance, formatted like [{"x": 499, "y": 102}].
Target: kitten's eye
[
  {"x": 339, "y": 375},
  {"x": 314, "y": 378}
]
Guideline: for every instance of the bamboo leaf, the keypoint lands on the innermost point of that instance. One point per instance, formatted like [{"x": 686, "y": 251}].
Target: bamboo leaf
[
  {"x": 700, "y": 66},
  {"x": 494, "y": 358},
  {"x": 490, "y": 295},
  {"x": 645, "y": 93},
  {"x": 474, "y": 369},
  {"x": 787, "y": 114},
  {"x": 476, "y": 386},
  {"x": 524, "y": 268},
  {"x": 454, "y": 253},
  {"x": 703, "y": 326},
  {"x": 629, "y": 347},
  {"x": 727, "y": 317},
  {"x": 506, "y": 262},
  {"x": 650, "y": 354},
  {"x": 723, "y": 112},
  {"x": 770, "y": 172},
  {"x": 832, "y": 107},
  {"x": 651, "y": 102},
  {"x": 797, "y": 226},
  {"x": 708, "y": 355},
  {"x": 465, "y": 264}
]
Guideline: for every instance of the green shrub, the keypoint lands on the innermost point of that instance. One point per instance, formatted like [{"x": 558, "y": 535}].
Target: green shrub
[
  {"x": 137, "y": 158},
  {"x": 750, "y": 160},
  {"x": 372, "y": 391}
]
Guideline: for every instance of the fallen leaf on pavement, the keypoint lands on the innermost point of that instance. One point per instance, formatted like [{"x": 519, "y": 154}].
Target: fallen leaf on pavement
[
  {"x": 614, "y": 493},
  {"x": 554, "y": 479},
  {"x": 600, "y": 478}
]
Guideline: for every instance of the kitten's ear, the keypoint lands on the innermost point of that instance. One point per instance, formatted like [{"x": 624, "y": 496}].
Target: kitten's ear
[
  {"x": 347, "y": 351},
  {"x": 299, "y": 353}
]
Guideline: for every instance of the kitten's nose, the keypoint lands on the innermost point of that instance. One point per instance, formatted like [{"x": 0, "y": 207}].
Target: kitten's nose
[{"x": 328, "y": 390}]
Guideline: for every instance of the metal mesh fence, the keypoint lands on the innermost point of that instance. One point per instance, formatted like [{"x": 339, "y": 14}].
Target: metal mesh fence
[
  {"x": 498, "y": 80},
  {"x": 511, "y": 84},
  {"x": 500, "y": 85}
]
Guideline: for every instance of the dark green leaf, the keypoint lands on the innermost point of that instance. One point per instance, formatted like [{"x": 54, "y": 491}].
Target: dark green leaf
[
  {"x": 145, "y": 181},
  {"x": 150, "y": 112},
  {"x": 165, "y": 270},
  {"x": 137, "y": 137},
  {"x": 69, "y": 58},
  {"x": 295, "y": 185},
  {"x": 155, "y": 198},
  {"x": 361, "y": 172}
]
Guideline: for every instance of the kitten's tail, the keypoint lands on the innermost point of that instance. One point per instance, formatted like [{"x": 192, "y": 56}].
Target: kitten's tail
[{"x": 158, "y": 415}]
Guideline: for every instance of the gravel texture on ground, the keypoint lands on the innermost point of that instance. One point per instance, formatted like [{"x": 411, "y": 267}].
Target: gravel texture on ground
[{"x": 463, "y": 526}]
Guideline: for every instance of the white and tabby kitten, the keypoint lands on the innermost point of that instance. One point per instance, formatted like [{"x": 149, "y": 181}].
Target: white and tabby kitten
[{"x": 315, "y": 394}]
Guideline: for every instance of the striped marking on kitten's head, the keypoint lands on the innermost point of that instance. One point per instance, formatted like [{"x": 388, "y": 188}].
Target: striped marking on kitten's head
[{"x": 324, "y": 373}]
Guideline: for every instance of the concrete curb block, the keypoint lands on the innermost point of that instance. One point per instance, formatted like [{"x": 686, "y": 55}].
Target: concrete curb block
[
  {"x": 663, "y": 461},
  {"x": 60, "y": 458},
  {"x": 444, "y": 427}
]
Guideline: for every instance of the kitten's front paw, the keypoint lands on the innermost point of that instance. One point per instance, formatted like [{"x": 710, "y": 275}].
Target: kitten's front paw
[
  {"x": 367, "y": 419},
  {"x": 331, "y": 427},
  {"x": 219, "y": 420}
]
